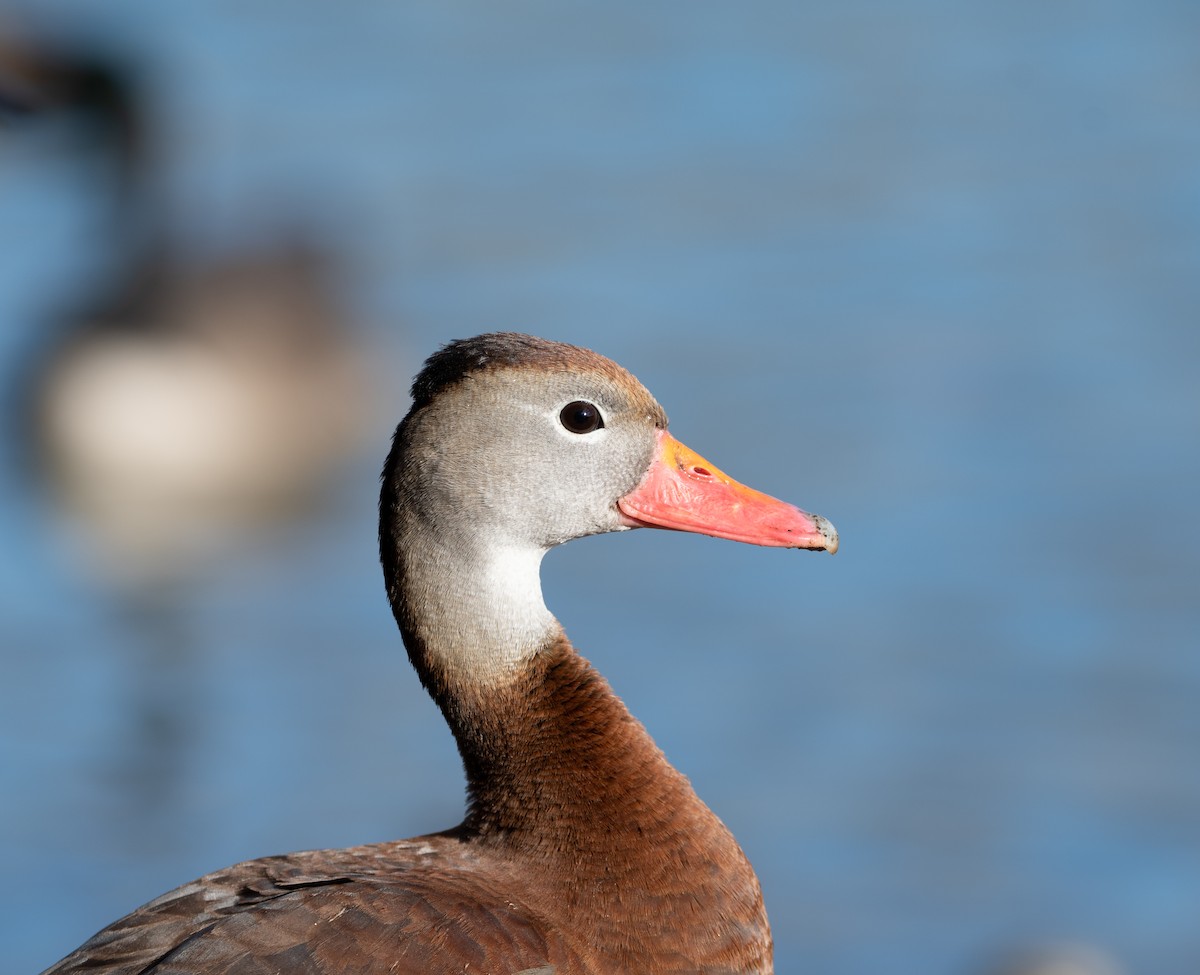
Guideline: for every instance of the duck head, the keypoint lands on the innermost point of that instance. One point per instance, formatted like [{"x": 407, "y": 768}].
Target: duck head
[
  {"x": 515, "y": 444},
  {"x": 537, "y": 442}
]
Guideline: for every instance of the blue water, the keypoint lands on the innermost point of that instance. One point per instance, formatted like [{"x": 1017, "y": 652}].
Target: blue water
[{"x": 931, "y": 270}]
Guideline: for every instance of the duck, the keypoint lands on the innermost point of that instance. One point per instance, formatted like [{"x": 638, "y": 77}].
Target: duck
[
  {"x": 184, "y": 404},
  {"x": 582, "y": 849},
  {"x": 205, "y": 408}
]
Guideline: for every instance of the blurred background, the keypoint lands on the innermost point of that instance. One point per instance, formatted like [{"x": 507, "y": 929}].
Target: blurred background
[{"x": 931, "y": 270}]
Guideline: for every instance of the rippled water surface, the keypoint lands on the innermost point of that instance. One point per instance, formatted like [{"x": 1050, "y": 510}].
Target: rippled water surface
[{"x": 931, "y": 270}]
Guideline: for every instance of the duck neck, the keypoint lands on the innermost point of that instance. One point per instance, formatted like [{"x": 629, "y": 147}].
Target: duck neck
[
  {"x": 561, "y": 778},
  {"x": 555, "y": 758}
]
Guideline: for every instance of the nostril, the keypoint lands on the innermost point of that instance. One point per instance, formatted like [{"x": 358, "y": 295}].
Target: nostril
[{"x": 701, "y": 472}]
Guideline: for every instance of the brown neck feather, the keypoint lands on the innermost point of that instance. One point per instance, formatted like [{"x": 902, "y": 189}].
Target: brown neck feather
[
  {"x": 557, "y": 752},
  {"x": 563, "y": 779}
]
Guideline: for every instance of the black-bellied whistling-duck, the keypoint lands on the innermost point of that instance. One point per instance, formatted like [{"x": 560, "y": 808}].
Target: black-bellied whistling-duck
[{"x": 583, "y": 850}]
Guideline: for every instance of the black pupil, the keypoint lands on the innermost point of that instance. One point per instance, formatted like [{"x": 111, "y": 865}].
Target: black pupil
[{"x": 581, "y": 417}]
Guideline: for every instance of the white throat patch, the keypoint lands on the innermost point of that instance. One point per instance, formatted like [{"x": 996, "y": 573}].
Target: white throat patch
[{"x": 497, "y": 619}]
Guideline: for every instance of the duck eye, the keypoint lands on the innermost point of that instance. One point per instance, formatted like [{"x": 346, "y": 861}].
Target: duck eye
[{"x": 581, "y": 417}]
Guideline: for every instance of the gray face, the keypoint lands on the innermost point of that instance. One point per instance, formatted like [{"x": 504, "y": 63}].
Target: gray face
[{"x": 492, "y": 455}]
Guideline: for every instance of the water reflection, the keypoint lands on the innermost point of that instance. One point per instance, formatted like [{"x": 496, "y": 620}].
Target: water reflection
[{"x": 159, "y": 709}]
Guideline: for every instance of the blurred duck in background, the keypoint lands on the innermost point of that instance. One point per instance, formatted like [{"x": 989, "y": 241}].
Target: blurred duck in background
[
  {"x": 203, "y": 406},
  {"x": 183, "y": 405},
  {"x": 177, "y": 411}
]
